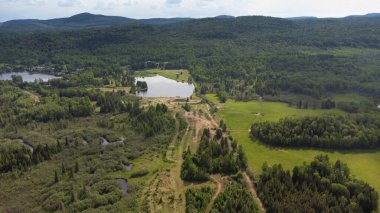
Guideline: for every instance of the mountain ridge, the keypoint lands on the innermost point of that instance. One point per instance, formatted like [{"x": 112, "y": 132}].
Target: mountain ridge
[
  {"x": 88, "y": 20},
  {"x": 78, "y": 21}
]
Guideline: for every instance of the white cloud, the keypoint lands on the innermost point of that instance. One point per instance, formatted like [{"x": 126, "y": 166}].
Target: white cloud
[
  {"x": 69, "y": 3},
  {"x": 43, "y": 9},
  {"x": 35, "y": 2},
  {"x": 105, "y": 5}
]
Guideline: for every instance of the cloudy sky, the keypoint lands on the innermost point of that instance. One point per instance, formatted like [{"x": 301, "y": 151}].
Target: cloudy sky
[{"x": 45, "y": 9}]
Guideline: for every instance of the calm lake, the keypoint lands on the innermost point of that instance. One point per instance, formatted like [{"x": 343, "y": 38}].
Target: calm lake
[
  {"x": 26, "y": 76},
  {"x": 159, "y": 86}
]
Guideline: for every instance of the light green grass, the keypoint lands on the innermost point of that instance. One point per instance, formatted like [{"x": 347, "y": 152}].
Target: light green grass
[
  {"x": 239, "y": 116},
  {"x": 172, "y": 74}
]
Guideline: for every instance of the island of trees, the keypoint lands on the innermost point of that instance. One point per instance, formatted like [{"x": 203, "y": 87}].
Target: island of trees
[
  {"x": 320, "y": 186},
  {"x": 328, "y": 131}
]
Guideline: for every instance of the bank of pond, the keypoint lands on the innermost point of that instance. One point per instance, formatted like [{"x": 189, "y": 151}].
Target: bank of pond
[{"x": 28, "y": 76}]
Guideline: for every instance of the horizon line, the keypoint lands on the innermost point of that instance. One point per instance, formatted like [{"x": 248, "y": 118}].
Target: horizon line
[{"x": 303, "y": 16}]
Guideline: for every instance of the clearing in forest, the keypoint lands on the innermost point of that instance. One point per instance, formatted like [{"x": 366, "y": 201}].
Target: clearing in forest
[{"x": 364, "y": 164}]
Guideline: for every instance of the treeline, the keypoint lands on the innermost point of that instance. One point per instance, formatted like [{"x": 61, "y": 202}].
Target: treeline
[
  {"x": 14, "y": 157},
  {"x": 150, "y": 121},
  {"x": 316, "y": 187},
  {"x": 153, "y": 120},
  {"x": 48, "y": 109},
  {"x": 198, "y": 199},
  {"x": 235, "y": 198},
  {"x": 18, "y": 107},
  {"x": 327, "y": 131},
  {"x": 214, "y": 155}
]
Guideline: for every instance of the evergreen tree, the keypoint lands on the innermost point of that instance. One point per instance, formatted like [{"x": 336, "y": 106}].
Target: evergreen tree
[
  {"x": 63, "y": 169},
  {"x": 76, "y": 167},
  {"x": 56, "y": 180}
]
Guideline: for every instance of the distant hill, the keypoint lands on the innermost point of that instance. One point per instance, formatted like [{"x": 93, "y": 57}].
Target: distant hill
[
  {"x": 224, "y": 17},
  {"x": 302, "y": 18},
  {"x": 79, "y": 21},
  {"x": 88, "y": 20},
  {"x": 369, "y": 15},
  {"x": 157, "y": 21}
]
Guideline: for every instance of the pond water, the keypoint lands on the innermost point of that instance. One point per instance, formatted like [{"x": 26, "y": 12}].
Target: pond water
[
  {"x": 105, "y": 142},
  {"x": 123, "y": 185},
  {"x": 26, "y": 76},
  {"x": 159, "y": 86}
]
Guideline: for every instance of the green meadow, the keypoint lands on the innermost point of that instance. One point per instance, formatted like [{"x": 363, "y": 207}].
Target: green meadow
[
  {"x": 364, "y": 164},
  {"x": 178, "y": 75}
]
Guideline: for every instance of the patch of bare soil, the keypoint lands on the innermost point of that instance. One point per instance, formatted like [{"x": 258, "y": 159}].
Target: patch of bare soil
[{"x": 257, "y": 114}]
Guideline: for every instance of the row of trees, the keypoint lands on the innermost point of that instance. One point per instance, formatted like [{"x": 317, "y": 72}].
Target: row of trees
[
  {"x": 320, "y": 186},
  {"x": 328, "y": 131}
]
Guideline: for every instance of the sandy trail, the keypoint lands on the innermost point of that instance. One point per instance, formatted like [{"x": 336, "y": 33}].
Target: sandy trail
[
  {"x": 217, "y": 192},
  {"x": 253, "y": 192}
]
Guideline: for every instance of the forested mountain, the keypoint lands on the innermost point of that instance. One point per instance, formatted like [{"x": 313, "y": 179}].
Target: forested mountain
[
  {"x": 245, "y": 56},
  {"x": 79, "y": 21}
]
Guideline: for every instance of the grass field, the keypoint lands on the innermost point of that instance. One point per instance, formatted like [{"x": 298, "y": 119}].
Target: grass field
[
  {"x": 172, "y": 74},
  {"x": 364, "y": 164}
]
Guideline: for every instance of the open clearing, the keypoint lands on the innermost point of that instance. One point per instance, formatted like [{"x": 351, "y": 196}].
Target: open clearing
[
  {"x": 183, "y": 75},
  {"x": 364, "y": 164}
]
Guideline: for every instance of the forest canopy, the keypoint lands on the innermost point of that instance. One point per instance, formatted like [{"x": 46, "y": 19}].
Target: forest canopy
[
  {"x": 320, "y": 186},
  {"x": 329, "y": 131},
  {"x": 243, "y": 56}
]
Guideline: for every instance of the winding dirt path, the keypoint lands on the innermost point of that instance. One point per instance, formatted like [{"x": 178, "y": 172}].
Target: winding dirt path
[
  {"x": 219, "y": 187},
  {"x": 253, "y": 192}
]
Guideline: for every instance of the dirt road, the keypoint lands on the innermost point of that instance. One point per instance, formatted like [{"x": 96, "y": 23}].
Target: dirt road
[
  {"x": 253, "y": 192},
  {"x": 217, "y": 192}
]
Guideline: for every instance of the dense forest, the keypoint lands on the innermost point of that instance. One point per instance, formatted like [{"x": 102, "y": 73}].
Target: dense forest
[
  {"x": 246, "y": 56},
  {"x": 320, "y": 186},
  {"x": 235, "y": 198},
  {"x": 197, "y": 199},
  {"x": 214, "y": 155},
  {"x": 217, "y": 154},
  {"x": 329, "y": 131}
]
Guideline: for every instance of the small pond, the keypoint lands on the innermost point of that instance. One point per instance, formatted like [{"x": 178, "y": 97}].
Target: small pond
[
  {"x": 123, "y": 185},
  {"x": 159, "y": 86},
  {"x": 26, "y": 76}
]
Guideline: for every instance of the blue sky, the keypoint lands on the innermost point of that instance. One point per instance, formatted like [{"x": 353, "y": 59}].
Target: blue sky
[{"x": 46, "y": 9}]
